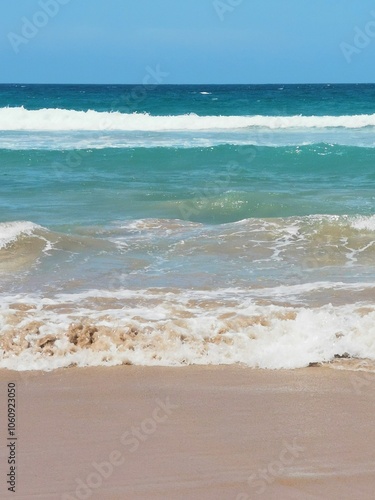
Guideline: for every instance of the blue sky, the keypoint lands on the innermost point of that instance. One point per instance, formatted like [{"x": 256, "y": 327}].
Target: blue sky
[{"x": 187, "y": 41}]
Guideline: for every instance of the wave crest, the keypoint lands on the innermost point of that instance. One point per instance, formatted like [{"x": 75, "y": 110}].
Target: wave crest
[
  {"x": 12, "y": 231},
  {"x": 19, "y": 118}
]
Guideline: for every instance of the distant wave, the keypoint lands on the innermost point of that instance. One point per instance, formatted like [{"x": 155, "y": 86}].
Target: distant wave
[{"x": 17, "y": 119}]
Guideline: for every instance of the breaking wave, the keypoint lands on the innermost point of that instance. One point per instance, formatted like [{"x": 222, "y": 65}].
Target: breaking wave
[
  {"x": 19, "y": 118},
  {"x": 12, "y": 231}
]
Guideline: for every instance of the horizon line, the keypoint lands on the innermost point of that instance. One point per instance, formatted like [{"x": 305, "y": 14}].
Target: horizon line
[{"x": 185, "y": 84}]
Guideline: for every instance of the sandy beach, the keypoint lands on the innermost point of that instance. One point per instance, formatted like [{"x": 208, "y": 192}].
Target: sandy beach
[{"x": 195, "y": 432}]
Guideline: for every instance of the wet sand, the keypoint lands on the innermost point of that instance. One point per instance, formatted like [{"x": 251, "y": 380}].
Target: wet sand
[{"x": 191, "y": 433}]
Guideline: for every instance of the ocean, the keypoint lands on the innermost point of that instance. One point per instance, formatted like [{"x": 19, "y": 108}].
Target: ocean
[{"x": 191, "y": 224}]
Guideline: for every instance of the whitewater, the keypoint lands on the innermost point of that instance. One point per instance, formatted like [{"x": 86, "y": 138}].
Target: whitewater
[{"x": 18, "y": 119}]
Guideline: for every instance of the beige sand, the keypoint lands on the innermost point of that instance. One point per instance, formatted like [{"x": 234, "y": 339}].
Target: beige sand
[{"x": 192, "y": 433}]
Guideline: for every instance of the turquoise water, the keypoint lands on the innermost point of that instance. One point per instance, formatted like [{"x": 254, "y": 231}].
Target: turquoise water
[
  {"x": 212, "y": 185},
  {"x": 224, "y": 224}
]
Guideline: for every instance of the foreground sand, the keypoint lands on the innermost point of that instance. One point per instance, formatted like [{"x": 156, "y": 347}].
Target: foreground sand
[{"x": 192, "y": 433}]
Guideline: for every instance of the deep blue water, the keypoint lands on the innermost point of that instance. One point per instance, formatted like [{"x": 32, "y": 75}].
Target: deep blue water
[{"x": 335, "y": 99}]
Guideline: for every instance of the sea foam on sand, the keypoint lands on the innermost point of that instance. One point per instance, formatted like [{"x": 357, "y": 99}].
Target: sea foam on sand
[{"x": 156, "y": 327}]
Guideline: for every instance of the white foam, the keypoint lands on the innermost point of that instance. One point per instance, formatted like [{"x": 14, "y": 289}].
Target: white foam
[
  {"x": 19, "y": 118},
  {"x": 11, "y": 231},
  {"x": 364, "y": 223},
  {"x": 176, "y": 328}
]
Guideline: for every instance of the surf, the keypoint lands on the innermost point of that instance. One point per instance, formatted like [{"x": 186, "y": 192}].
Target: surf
[{"x": 49, "y": 119}]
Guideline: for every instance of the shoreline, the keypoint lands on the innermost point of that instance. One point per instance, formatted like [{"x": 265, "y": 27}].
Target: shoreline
[{"x": 210, "y": 432}]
